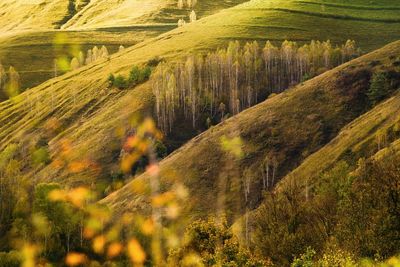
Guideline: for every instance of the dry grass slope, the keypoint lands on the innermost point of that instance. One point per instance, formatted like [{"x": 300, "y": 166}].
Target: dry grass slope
[{"x": 288, "y": 127}]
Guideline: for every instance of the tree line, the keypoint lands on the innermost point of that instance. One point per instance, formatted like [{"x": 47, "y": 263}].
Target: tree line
[
  {"x": 92, "y": 55},
  {"x": 232, "y": 79}
]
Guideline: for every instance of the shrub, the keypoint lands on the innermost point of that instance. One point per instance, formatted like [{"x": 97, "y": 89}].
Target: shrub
[
  {"x": 111, "y": 79},
  {"x": 10, "y": 259},
  {"x": 379, "y": 88},
  {"x": 120, "y": 82},
  {"x": 305, "y": 260},
  {"x": 154, "y": 62},
  {"x": 137, "y": 76},
  {"x": 213, "y": 245},
  {"x": 41, "y": 156},
  {"x": 134, "y": 75},
  {"x": 145, "y": 74}
]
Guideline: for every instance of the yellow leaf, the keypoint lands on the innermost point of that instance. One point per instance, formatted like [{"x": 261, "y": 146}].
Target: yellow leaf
[
  {"x": 148, "y": 227},
  {"x": 29, "y": 253},
  {"x": 77, "y": 166},
  {"x": 233, "y": 146},
  {"x": 135, "y": 252},
  {"x": 162, "y": 199},
  {"x": 98, "y": 244},
  {"x": 78, "y": 195},
  {"x": 75, "y": 259},
  {"x": 57, "y": 195},
  {"x": 114, "y": 249}
]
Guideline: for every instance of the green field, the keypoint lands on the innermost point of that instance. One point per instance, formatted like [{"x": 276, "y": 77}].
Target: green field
[{"x": 32, "y": 48}]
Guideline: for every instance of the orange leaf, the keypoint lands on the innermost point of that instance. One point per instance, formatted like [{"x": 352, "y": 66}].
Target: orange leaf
[
  {"x": 98, "y": 244},
  {"x": 75, "y": 259},
  {"x": 114, "y": 249},
  {"x": 135, "y": 252}
]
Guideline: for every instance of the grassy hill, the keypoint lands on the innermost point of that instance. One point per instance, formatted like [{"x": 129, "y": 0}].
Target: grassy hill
[
  {"x": 285, "y": 129},
  {"x": 364, "y": 152},
  {"x": 27, "y": 15},
  {"x": 81, "y": 102},
  {"x": 33, "y": 53},
  {"x": 31, "y": 46}
]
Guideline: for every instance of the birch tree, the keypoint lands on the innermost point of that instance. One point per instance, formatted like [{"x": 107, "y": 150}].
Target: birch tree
[
  {"x": 193, "y": 16},
  {"x": 13, "y": 85}
]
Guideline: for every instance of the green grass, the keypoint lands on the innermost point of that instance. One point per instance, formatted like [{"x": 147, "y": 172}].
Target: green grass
[
  {"x": 33, "y": 54},
  {"x": 31, "y": 50}
]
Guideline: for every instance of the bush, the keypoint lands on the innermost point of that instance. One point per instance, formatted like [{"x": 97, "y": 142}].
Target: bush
[
  {"x": 120, "y": 82},
  {"x": 154, "y": 61},
  {"x": 10, "y": 259},
  {"x": 305, "y": 260},
  {"x": 136, "y": 76},
  {"x": 379, "y": 88},
  {"x": 41, "y": 156},
  {"x": 212, "y": 245},
  {"x": 111, "y": 80}
]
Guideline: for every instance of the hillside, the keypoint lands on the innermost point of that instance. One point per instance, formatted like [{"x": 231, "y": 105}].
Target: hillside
[
  {"x": 21, "y": 15},
  {"x": 315, "y": 111},
  {"x": 31, "y": 46},
  {"x": 356, "y": 171},
  {"x": 109, "y": 14},
  {"x": 261, "y": 133},
  {"x": 28, "y": 15},
  {"x": 75, "y": 101}
]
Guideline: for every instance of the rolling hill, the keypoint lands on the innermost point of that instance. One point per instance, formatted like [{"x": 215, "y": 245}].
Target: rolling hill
[
  {"x": 31, "y": 46},
  {"x": 313, "y": 167},
  {"x": 315, "y": 111},
  {"x": 83, "y": 105}
]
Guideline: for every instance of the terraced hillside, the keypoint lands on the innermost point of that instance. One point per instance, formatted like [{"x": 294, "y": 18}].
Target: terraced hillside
[
  {"x": 315, "y": 112},
  {"x": 89, "y": 113}
]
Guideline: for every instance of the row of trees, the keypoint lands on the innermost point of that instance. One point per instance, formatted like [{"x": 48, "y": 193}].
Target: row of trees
[
  {"x": 233, "y": 79},
  {"x": 92, "y": 55},
  {"x": 187, "y": 3},
  {"x": 10, "y": 82}
]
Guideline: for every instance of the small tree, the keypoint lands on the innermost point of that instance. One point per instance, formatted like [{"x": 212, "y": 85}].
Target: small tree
[
  {"x": 111, "y": 80},
  {"x": 193, "y": 16},
  {"x": 89, "y": 57},
  {"x": 379, "y": 88},
  {"x": 13, "y": 85},
  {"x": 120, "y": 82},
  {"x": 75, "y": 64},
  {"x": 104, "y": 52},
  {"x": 3, "y": 77},
  {"x": 81, "y": 58},
  {"x": 134, "y": 75}
]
